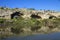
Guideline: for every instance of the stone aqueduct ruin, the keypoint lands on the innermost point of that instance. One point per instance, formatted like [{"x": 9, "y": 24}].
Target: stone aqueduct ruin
[{"x": 10, "y": 14}]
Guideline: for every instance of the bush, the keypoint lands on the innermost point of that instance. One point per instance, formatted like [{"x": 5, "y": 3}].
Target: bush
[
  {"x": 51, "y": 23},
  {"x": 36, "y": 25},
  {"x": 4, "y": 23},
  {"x": 20, "y": 23},
  {"x": 31, "y": 8},
  {"x": 1, "y": 7},
  {"x": 16, "y": 30}
]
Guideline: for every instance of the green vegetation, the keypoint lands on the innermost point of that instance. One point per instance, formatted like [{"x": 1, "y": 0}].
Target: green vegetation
[
  {"x": 31, "y": 8},
  {"x": 16, "y": 25},
  {"x": 1, "y": 7}
]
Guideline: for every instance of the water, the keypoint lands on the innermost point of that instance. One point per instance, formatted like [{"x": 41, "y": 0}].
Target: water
[{"x": 52, "y": 36}]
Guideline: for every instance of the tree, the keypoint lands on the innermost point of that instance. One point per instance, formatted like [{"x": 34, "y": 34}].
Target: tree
[{"x": 31, "y": 8}]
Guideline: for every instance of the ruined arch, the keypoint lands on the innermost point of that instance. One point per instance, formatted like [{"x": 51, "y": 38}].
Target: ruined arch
[
  {"x": 52, "y": 17},
  {"x": 35, "y": 16},
  {"x": 16, "y": 15}
]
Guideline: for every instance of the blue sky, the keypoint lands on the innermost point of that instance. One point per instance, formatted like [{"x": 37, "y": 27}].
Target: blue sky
[{"x": 37, "y": 4}]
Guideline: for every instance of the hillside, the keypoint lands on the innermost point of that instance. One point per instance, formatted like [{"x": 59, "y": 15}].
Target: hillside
[
  {"x": 8, "y": 13},
  {"x": 27, "y": 21}
]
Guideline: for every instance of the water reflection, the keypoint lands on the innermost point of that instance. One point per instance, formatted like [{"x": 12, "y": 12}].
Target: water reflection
[{"x": 53, "y": 36}]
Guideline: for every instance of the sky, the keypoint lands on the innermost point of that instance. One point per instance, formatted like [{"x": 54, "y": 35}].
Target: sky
[{"x": 37, "y": 4}]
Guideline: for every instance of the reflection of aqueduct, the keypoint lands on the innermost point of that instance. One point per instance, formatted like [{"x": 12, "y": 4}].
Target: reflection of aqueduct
[{"x": 27, "y": 14}]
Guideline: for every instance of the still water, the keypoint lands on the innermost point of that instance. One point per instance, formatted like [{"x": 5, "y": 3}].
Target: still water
[{"x": 52, "y": 36}]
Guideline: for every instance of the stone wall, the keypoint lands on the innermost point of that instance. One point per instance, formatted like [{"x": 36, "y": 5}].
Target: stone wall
[{"x": 6, "y": 14}]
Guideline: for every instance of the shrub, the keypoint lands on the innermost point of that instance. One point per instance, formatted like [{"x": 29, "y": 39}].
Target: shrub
[
  {"x": 2, "y": 23},
  {"x": 36, "y": 25},
  {"x": 16, "y": 30},
  {"x": 1, "y": 7},
  {"x": 31, "y": 8},
  {"x": 51, "y": 23}
]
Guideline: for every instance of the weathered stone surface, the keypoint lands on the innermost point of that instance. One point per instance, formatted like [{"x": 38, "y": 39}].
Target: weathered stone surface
[{"x": 44, "y": 14}]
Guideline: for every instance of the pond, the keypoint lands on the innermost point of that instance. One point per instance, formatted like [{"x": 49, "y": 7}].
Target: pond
[{"x": 52, "y": 36}]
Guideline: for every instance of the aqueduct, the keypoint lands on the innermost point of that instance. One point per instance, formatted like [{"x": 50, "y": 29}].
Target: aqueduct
[{"x": 28, "y": 14}]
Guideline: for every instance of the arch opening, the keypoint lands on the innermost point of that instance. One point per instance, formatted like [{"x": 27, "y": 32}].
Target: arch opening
[
  {"x": 16, "y": 15},
  {"x": 35, "y": 16},
  {"x": 52, "y": 17}
]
